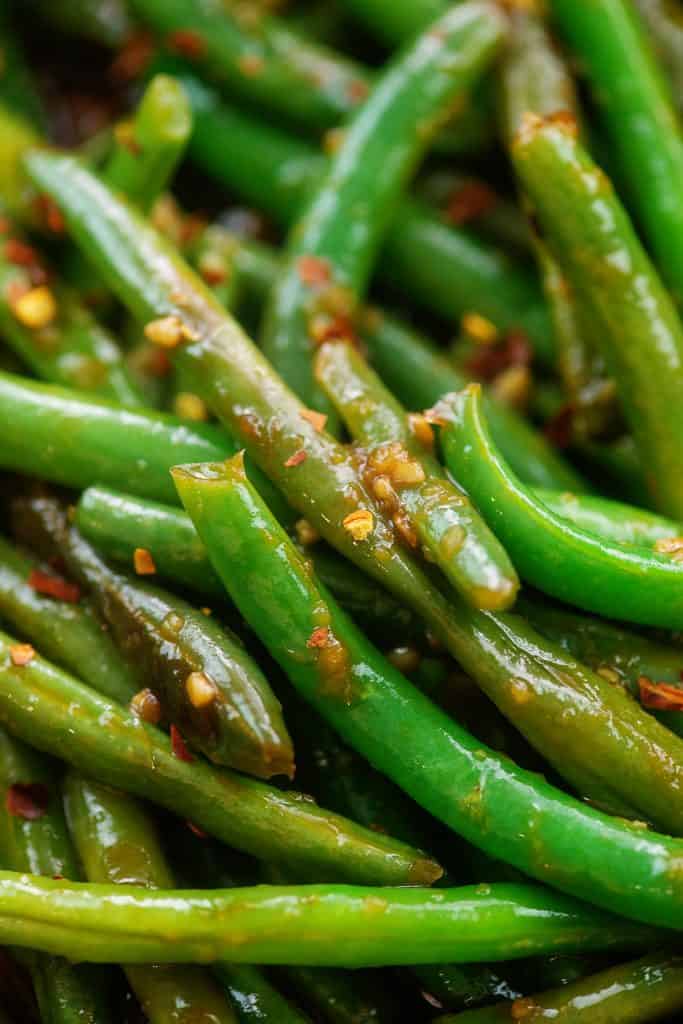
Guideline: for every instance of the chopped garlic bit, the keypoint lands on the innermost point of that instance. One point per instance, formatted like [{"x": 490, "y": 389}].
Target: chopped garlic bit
[
  {"x": 672, "y": 546},
  {"x": 479, "y": 328},
  {"x": 169, "y": 331},
  {"x": 35, "y": 308},
  {"x": 200, "y": 689},
  {"x": 359, "y": 524},
  {"x": 146, "y": 706},
  {"x": 190, "y": 407},
  {"x": 21, "y": 654}
]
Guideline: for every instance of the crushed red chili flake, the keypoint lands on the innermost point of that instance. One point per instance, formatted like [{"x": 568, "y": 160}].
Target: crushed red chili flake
[
  {"x": 316, "y": 419},
  {"x": 21, "y": 654},
  {"x": 5, "y": 225},
  {"x": 187, "y": 42},
  {"x": 488, "y": 361},
  {"x": 324, "y": 328},
  {"x": 54, "y": 586},
  {"x": 133, "y": 57},
  {"x": 296, "y": 459},
  {"x": 178, "y": 746},
  {"x": 468, "y": 202},
  {"x": 559, "y": 430},
  {"x": 50, "y": 214},
  {"x": 313, "y": 270},
  {"x": 196, "y": 829},
  {"x": 19, "y": 253},
  {"x": 27, "y": 800},
  {"x": 357, "y": 90},
  {"x": 660, "y": 696},
  {"x": 320, "y": 637}
]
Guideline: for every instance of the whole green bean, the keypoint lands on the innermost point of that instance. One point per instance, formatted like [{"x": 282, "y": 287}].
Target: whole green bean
[
  {"x": 59, "y": 715},
  {"x": 641, "y": 990},
  {"x": 116, "y": 843},
  {"x": 553, "y": 553},
  {"x": 148, "y": 149},
  {"x": 639, "y": 117},
  {"x": 318, "y": 925},
  {"x": 207, "y": 685},
  {"x": 636, "y": 323},
  {"x": 334, "y": 243},
  {"x": 664, "y": 22},
  {"x": 69, "y": 634},
  {"x": 117, "y": 524},
  {"x": 441, "y": 267},
  {"x": 394, "y": 23},
  {"x": 500, "y": 652},
  {"x": 74, "y": 439},
  {"x": 612, "y": 520},
  {"x": 254, "y": 998},
  {"x": 34, "y": 838},
  {"x": 509, "y": 813},
  {"x": 451, "y": 531}
]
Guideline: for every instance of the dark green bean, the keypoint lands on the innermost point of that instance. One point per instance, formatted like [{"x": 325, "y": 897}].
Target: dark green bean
[
  {"x": 664, "y": 22},
  {"x": 254, "y": 998}
]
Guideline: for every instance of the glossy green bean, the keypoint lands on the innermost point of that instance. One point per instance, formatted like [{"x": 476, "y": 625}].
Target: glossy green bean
[
  {"x": 636, "y": 323},
  {"x": 451, "y": 531},
  {"x": 394, "y": 23},
  {"x": 638, "y": 115},
  {"x": 613, "y": 520},
  {"x": 340, "y": 231},
  {"x": 149, "y": 148},
  {"x": 344, "y": 997},
  {"x": 254, "y": 998},
  {"x": 55, "y": 713},
  {"x": 74, "y": 439},
  {"x": 551, "y": 552},
  {"x": 318, "y": 925},
  {"x": 441, "y": 267},
  {"x": 472, "y": 790},
  {"x": 231, "y": 715},
  {"x": 641, "y": 990},
  {"x": 38, "y": 842},
  {"x": 69, "y": 634},
  {"x": 500, "y": 652},
  {"x": 116, "y": 843},
  {"x": 664, "y": 22}
]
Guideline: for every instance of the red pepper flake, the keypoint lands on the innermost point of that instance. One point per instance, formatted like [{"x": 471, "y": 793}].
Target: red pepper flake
[
  {"x": 5, "y": 225},
  {"x": 187, "y": 42},
  {"x": 133, "y": 58},
  {"x": 316, "y": 419},
  {"x": 320, "y": 637},
  {"x": 213, "y": 274},
  {"x": 324, "y": 328},
  {"x": 357, "y": 90},
  {"x": 178, "y": 746},
  {"x": 296, "y": 459},
  {"x": 27, "y": 800},
  {"x": 21, "y": 654},
  {"x": 143, "y": 562},
  {"x": 560, "y": 429},
  {"x": 468, "y": 202},
  {"x": 51, "y": 215},
  {"x": 20, "y": 253},
  {"x": 488, "y": 361},
  {"x": 196, "y": 829},
  {"x": 660, "y": 696},
  {"x": 54, "y": 586},
  {"x": 250, "y": 64},
  {"x": 313, "y": 271}
]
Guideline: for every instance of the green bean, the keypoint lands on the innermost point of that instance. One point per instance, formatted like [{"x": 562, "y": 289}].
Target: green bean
[
  {"x": 206, "y": 684},
  {"x": 615, "y": 467},
  {"x": 254, "y": 998},
  {"x": 67, "y": 633},
  {"x": 34, "y": 838},
  {"x": 394, "y": 23},
  {"x": 509, "y": 813},
  {"x": 59, "y": 715},
  {"x": 333, "y": 245},
  {"x": 449, "y": 528},
  {"x": 639, "y": 118},
  {"x": 664, "y": 23},
  {"x": 443, "y": 268},
  {"x": 102, "y": 21},
  {"x": 17, "y": 135},
  {"x": 17, "y": 88},
  {"x": 553, "y": 553},
  {"x": 636, "y": 323},
  {"x": 341, "y": 997},
  {"x": 116, "y": 843},
  {"x": 148, "y": 149},
  {"x": 317, "y": 925},
  {"x": 641, "y": 990},
  {"x": 500, "y": 652},
  {"x": 612, "y": 520},
  {"x": 74, "y": 439}
]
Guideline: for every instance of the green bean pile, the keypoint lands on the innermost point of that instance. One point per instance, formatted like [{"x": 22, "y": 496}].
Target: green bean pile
[{"x": 341, "y": 548}]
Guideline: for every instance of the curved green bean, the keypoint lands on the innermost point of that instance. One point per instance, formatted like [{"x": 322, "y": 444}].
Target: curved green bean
[
  {"x": 149, "y": 148},
  {"x": 333, "y": 244},
  {"x": 449, "y": 528},
  {"x": 55, "y": 713},
  {"x": 639, "y": 117},
  {"x": 69, "y": 634},
  {"x": 117, "y": 844},
  {"x": 551, "y": 552},
  {"x": 641, "y": 990},
  {"x": 318, "y": 925},
  {"x": 614, "y": 521},
  {"x": 34, "y": 838},
  {"x": 636, "y": 323},
  {"x": 74, "y": 439},
  {"x": 509, "y": 813}
]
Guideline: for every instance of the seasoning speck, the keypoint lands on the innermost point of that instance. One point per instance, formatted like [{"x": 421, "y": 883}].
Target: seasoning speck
[{"x": 143, "y": 562}]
